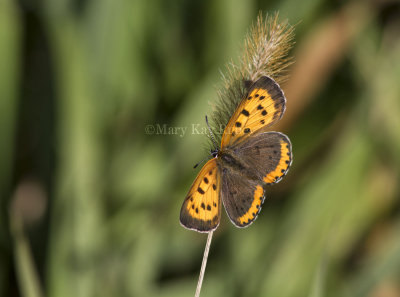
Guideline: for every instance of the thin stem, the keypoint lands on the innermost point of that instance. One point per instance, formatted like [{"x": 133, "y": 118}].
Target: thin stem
[{"x": 204, "y": 263}]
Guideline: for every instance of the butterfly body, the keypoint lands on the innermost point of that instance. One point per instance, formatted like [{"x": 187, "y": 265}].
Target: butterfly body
[{"x": 248, "y": 160}]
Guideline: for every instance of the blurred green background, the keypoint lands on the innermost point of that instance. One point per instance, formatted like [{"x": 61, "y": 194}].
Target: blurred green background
[{"x": 90, "y": 202}]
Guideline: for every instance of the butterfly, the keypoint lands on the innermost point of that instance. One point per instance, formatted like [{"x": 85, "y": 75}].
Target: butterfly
[{"x": 248, "y": 159}]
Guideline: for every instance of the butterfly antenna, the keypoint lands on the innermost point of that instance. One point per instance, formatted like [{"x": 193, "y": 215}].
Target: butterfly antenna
[
  {"x": 195, "y": 166},
  {"x": 212, "y": 134}
]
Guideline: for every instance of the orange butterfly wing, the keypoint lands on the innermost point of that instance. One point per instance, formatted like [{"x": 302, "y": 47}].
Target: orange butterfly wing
[
  {"x": 263, "y": 106},
  {"x": 201, "y": 210}
]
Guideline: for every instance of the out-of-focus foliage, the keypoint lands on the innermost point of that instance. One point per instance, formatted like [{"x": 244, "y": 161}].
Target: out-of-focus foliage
[{"x": 90, "y": 198}]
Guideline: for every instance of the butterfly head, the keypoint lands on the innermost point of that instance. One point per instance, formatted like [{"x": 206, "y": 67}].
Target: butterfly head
[{"x": 214, "y": 152}]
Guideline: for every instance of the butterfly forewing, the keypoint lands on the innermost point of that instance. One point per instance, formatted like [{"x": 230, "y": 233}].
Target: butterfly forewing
[
  {"x": 201, "y": 209},
  {"x": 262, "y": 107}
]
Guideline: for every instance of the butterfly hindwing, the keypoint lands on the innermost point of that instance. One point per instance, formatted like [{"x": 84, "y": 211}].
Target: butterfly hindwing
[
  {"x": 263, "y": 105},
  {"x": 201, "y": 210},
  {"x": 269, "y": 154},
  {"x": 242, "y": 197}
]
